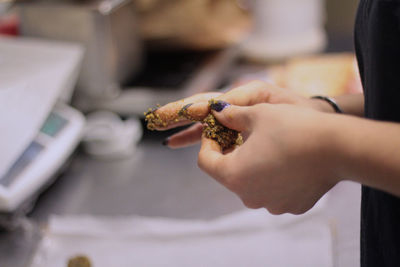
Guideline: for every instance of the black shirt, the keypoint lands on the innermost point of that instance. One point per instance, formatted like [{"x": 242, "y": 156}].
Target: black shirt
[{"x": 377, "y": 41}]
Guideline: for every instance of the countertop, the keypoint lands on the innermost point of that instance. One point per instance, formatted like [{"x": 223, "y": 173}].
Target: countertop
[{"x": 157, "y": 181}]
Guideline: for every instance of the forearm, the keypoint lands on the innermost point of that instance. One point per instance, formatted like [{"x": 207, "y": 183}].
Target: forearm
[
  {"x": 352, "y": 104},
  {"x": 367, "y": 152}
]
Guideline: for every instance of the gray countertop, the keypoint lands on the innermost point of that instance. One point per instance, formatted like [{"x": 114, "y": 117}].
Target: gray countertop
[{"x": 157, "y": 181}]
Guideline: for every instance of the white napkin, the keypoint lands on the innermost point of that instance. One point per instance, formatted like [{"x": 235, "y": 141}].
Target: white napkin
[{"x": 247, "y": 238}]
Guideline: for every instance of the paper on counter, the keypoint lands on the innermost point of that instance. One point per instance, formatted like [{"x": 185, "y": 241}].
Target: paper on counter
[{"x": 248, "y": 238}]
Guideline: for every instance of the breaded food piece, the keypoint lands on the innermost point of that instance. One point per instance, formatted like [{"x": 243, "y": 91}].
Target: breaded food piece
[
  {"x": 170, "y": 116},
  {"x": 154, "y": 120},
  {"x": 225, "y": 137},
  {"x": 79, "y": 261}
]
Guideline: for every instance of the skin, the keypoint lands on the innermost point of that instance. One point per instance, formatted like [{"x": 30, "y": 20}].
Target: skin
[
  {"x": 278, "y": 136},
  {"x": 252, "y": 93},
  {"x": 296, "y": 149},
  {"x": 321, "y": 150}
]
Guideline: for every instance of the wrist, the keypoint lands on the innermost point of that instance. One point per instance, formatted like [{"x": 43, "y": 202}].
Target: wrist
[
  {"x": 347, "y": 147},
  {"x": 326, "y": 104},
  {"x": 322, "y": 106},
  {"x": 333, "y": 150}
]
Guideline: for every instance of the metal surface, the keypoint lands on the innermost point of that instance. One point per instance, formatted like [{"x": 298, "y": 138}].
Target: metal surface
[
  {"x": 106, "y": 28},
  {"x": 158, "y": 181}
]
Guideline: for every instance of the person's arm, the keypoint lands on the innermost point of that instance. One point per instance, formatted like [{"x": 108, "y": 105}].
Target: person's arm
[
  {"x": 249, "y": 94},
  {"x": 368, "y": 152},
  {"x": 351, "y": 104},
  {"x": 292, "y": 156}
]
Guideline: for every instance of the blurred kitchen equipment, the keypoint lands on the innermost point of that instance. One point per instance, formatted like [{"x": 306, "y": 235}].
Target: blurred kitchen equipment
[
  {"x": 40, "y": 130},
  {"x": 286, "y": 28},
  {"x": 113, "y": 77},
  {"x": 194, "y": 24},
  {"x": 108, "y": 137},
  {"x": 167, "y": 76},
  {"x": 9, "y": 22},
  {"x": 330, "y": 74},
  {"x": 4, "y": 6},
  {"x": 106, "y": 28}
]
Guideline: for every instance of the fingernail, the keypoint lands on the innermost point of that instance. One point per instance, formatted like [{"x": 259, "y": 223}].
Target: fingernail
[
  {"x": 219, "y": 105},
  {"x": 183, "y": 110},
  {"x": 165, "y": 142}
]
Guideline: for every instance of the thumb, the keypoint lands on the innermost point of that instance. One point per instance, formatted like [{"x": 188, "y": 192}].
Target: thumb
[{"x": 234, "y": 117}]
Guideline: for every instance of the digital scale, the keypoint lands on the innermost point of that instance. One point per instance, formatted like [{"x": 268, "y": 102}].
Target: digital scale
[
  {"x": 39, "y": 129},
  {"x": 44, "y": 156}
]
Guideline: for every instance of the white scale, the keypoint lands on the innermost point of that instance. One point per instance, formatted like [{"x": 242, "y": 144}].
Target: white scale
[
  {"x": 39, "y": 130},
  {"x": 43, "y": 157}
]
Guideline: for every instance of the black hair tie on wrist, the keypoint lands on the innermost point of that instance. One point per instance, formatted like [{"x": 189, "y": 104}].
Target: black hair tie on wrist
[{"x": 330, "y": 101}]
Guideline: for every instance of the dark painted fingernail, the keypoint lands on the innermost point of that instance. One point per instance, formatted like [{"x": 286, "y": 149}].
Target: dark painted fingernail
[
  {"x": 165, "y": 142},
  {"x": 219, "y": 105},
  {"x": 183, "y": 110}
]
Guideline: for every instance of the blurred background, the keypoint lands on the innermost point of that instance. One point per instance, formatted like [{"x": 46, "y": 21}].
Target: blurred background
[{"x": 76, "y": 77}]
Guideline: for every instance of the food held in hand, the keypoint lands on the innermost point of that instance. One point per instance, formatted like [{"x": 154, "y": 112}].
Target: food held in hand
[
  {"x": 154, "y": 120},
  {"x": 225, "y": 137},
  {"x": 79, "y": 261}
]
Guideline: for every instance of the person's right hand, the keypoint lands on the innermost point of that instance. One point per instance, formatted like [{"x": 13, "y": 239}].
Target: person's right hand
[
  {"x": 249, "y": 94},
  {"x": 288, "y": 159}
]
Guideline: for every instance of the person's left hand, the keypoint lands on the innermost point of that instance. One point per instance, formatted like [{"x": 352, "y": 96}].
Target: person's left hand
[
  {"x": 285, "y": 163},
  {"x": 248, "y": 94}
]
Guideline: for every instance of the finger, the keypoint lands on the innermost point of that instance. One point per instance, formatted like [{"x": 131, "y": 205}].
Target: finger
[
  {"x": 233, "y": 117},
  {"x": 198, "y": 111},
  {"x": 169, "y": 115},
  {"x": 249, "y": 94},
  {"x": 187, "y": 137},
  {"x": 172, "y": 124},
  {"x": 211, "y": 160}
]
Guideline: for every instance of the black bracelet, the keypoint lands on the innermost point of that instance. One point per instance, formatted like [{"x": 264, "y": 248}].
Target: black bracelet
[{"x": 330, "y": 101}]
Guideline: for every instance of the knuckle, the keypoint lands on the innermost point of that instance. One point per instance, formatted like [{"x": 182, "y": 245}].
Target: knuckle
[
  {"x": 200, "y": 161},
  {"x": 251, "y": 204},
  {"x": 298, "y": 211},
  {"x": 301, "y": 210},
  {"x": 286, "y": 208},
  {"x": 276, "y": 210}
]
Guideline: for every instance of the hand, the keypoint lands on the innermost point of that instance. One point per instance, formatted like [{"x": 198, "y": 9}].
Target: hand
[
  {"x": 284, "y": 163},
  {"x": 252, "y": 93}
]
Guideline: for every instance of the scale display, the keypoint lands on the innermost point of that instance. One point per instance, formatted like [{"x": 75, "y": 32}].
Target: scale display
[
  {"x": 52, "y": 126},
  {"x": 55, "y": 141}
]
